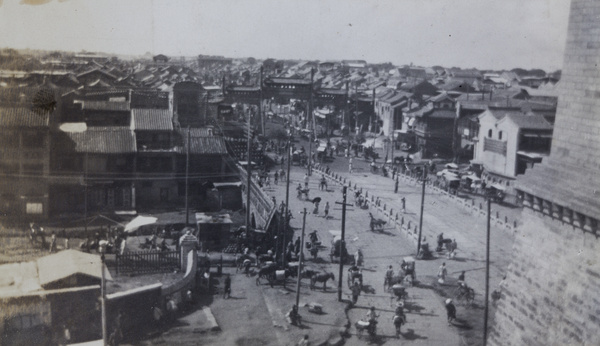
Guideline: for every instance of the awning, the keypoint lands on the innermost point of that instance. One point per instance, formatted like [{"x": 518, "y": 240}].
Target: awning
[
  {"x": 497, "y": 187},
  {"x": 321, "y": 149},
  {"x": 411, "y": 121},
  {"x": 537, "y": 135},
  {"x": 451, "y": 166},
  {"x": 138, "y": 222}
]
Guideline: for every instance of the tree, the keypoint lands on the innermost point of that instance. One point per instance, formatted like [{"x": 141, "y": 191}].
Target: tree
[
  {"x": 278, "y": 134},
  {"x": 251, "y": 61}
]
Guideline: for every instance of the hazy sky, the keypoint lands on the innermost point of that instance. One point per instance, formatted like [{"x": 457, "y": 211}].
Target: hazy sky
[{"x": 466, "y": 33}]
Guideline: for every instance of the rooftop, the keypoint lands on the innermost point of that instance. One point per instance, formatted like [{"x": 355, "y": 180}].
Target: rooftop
[
  {"x": 23, "y": 117},
  {"x": 152, "y": 119}
]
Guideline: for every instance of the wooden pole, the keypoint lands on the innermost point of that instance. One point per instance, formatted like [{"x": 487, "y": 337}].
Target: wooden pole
[
  {"x": 249, "y": 177},
  {"x": 103, "y": 302},
  {"x": 187, "y": 173},
  {"x": 422, "y": 207},
  {"x": 287, "y": 197},
  {"x": 301, "y": 259},
  {"x": 487, "y": 272},
  {"x": 341, "y": 271},
  {"x": 310, "y": 119}
]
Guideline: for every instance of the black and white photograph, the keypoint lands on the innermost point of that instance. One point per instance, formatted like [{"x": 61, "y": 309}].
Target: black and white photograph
[{"x": 300, "y": 172}]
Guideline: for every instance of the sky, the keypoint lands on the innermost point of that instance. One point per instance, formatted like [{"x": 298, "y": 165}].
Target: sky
[{"x": 485, "y": 34}]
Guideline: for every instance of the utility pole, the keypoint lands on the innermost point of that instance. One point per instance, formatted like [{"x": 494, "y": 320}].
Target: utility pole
[
  {"x": 301, "y": 259},
  {"x": 249, "y": 178},
  {"x": 103, "y": 302},
  {"x": 310, "y": 119},
  {"x": 187, "y": 173},
  {"x": 422, "y": 207},
  {"x": 85, "y": 192},
  {"x": 487, "y": 272},
  {"x": 260, "y": 101},
  {"x": 342, "y": 242},
  {"x": 287, "y": 197}
]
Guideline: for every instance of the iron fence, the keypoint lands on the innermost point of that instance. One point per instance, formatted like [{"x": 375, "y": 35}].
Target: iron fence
[{"x": 147, "y": 262}]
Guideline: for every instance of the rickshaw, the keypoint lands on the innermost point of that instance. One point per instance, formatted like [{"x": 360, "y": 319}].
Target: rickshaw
[
  {"x": 470, "y": 183},
  {"x": 408, "y": 266},
  {"x": 334, "y": 254}
]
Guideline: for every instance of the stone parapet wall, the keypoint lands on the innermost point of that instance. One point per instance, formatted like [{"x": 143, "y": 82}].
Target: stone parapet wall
[{"x": 552, "y": 288}]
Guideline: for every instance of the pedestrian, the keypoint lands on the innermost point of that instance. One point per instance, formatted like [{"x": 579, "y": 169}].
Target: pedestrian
[
  {"x": 346, "y": 152},
  {"x": 355, "y": 292},
  {"x": 304, "y": 341},
  {"x": 316, "y": 210},
  {"x": 53, "y": 242},
  {"x": 450, "y": 311},
  {"x": 117, "y": 334},
  {"x": 297, "y": 245},
  {"x": 323, "y": 184},
  {"x": 442, "y": 272},
  {"x": 350, "y": 165},
  {"x": 66, "y": 242},
  {"x": 389, "y": 274},
  {"x": 461, "y": 278},
  {"x": 403, "y": 200},
  {"x": 396, "y": 186},
  {"x": 453, "y": 247},
  {"x": 326, "y": 210},
  {"x": 275, "y": 178},
  {"x": 227, "y": 288},
  {"x": 306, "y": 180}
]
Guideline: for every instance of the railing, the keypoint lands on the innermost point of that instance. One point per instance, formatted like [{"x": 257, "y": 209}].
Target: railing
[{"x": 147, "y": 262}]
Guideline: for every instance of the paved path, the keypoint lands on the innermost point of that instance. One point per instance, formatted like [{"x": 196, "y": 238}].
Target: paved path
[{"x": 427, "y": 319}]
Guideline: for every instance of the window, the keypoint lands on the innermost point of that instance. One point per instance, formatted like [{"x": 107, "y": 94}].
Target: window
[
  {"x": 34, "y": 208},
  {"x": 499, "y": 134},
  {"x": 490, "y": 133}
]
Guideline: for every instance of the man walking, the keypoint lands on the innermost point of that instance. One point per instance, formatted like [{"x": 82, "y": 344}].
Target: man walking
[
  {"x": 350, "y": 166},
  {"x": 403, "y": 200},
  {"x": 396, "y": 186},
  {"x": 355, "y": 292},
  {"x": 326, "y": 210},
  {"x": 227, "y": 288}
]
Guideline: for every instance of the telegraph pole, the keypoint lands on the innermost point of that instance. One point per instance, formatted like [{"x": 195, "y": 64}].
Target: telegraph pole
[
  {"x": 310, "y": 119},
  {"x": 342, "y": 244},
  {"x": 301, "y": 259},
  {"x": 260, "y": 112},
  {"x": 85, "y": 193},
  {"x": 422, "y": 207},
  {"x": 249, "y": 178},
  {"x": 287, "y": 198},
  {"x": 487, "y": 272},
  {"x": 187, "y": 173},
  {"x": 103, "y": 302}
]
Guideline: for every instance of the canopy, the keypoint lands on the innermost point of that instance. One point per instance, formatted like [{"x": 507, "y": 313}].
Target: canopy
[
  {"x": 498, "y": 187},
  {"x": 139, "y": 222},
  {"x": 451, "y": 166}
]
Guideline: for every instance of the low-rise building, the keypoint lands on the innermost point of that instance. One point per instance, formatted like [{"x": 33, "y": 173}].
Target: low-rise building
[{"x": 510, "y": 142}]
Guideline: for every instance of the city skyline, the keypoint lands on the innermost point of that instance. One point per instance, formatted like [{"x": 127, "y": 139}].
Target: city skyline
[{"x": 481, "y": 34}]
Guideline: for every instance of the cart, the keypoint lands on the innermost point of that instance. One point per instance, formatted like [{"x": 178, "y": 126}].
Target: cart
[{"x": 408, "y": 266}]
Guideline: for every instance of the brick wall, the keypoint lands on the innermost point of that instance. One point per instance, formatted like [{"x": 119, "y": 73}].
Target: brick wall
[
  {"x": 578, "y": 120},
  {"x": 551, "y": 297},
  {"x": 553, "y": 292}
]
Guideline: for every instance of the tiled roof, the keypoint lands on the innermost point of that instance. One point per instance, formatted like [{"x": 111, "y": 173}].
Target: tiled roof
[
  {"x": 61, "y": 265},
  {"x": 203, "y": 144},
  {"x": 500, "y": 113},
  {"x": 99, "y": 71},
  {"x": 22, "y": 117},
  {"x": 530, "y": 121},
  {"x": 105, "y": 106},
  {"x": 152, "y": 119},
  {"x": 104, "y": 140},
  {"x": 280, "y": 80}
]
